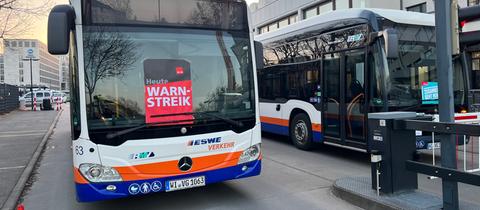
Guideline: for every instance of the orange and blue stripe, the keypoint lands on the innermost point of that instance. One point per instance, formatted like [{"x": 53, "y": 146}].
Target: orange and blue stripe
[
  {"x": 281, "y": 127},
  {"x": 215, "y": 168}
]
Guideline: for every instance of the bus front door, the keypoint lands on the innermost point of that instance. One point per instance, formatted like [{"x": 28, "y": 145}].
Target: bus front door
[{"x": 344, "y": 110}]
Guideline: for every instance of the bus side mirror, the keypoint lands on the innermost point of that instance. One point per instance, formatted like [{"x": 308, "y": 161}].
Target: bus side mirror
[
  {"x": 60, "y": 22},
  {"x": 391, "y": 43},
  {"x": 259, "y": 54}
]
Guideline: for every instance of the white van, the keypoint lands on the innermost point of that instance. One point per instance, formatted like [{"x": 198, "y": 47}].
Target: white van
[{"x": 39, "y": 95}]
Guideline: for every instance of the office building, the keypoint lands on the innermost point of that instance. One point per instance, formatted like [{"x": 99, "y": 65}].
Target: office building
[{"x": 45, "y": 71}]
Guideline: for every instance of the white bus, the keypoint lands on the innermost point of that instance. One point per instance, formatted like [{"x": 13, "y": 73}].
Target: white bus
[
  {"x": 323, "y": 75},
  {"x": 163, "y": 94}
]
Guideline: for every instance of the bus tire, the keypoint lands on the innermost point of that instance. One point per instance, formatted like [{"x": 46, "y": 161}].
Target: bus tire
[{"x": 301, "y": 132}]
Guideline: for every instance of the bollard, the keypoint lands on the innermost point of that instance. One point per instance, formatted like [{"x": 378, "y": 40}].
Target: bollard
[
  {"x": 20, "y": 207},
  {"x": 56, "y": 104},
  {"x": 35, "y": 104}
]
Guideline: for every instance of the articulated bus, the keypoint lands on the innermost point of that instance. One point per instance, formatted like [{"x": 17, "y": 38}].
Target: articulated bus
[
  {"x": 163, "y": 94},
  {"x": 323, "y": 75}
]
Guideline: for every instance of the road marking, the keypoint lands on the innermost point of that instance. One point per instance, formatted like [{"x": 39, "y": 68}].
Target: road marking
[
  {"x": 33, "y": 134},
  {"x": 15, "y": 132},
  {"x": 14, "y": 167}
]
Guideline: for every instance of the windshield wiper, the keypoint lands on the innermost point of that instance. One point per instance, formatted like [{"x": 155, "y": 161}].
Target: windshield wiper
[{"x": 145, "y": 125}]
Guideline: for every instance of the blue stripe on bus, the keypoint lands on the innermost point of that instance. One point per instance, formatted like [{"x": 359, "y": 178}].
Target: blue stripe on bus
[
  {"x": 283, "y": 130},
  {"x": 96, "y": 192},
  {"x": 317, "y": 137},
  {"x": 276, "y": 129}
]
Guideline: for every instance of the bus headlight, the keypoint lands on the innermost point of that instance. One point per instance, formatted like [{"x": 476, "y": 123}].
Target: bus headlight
[
  {"x": 98, "y": 173},
  {"x": 250, "y": 154}
]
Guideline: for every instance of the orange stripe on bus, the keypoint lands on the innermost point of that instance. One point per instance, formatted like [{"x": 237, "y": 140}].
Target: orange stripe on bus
[
  {"x": 275, "y": 121},
  {"x": 317, "y": 127},
  {"x": 78, "y": 178},
  {"x": 170, "y": 168}
]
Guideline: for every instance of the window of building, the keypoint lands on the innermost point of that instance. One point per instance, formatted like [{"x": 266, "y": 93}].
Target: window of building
[
  {"x": 20, "y": 44},
  {"x": 418, "y": 8},
  {"x": 342, "y": 4},
  {"x": 7, "y": 44},
  {"x": 318, "y": 9},
  {"x": 279, "y": 24},
  {"x": 283, "y": 23},
  {"x": 476, "y": 61},
  {"x": 310, "y": 12},
  {"x": 14, "y": 44},
  {"x": 27, "y": 44},
  {"x": 273, "y": 26},
  {"x": 358, "y": 4},
  {"x": 293, "y": 19},
  {"x": 473, "y": 2},
  {"x": 326, "y": 7},
  {"x": 34, "y": 44}
]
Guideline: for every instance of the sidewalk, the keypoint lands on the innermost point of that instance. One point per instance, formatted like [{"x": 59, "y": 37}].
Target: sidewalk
[{"x": 21, "y": 132}]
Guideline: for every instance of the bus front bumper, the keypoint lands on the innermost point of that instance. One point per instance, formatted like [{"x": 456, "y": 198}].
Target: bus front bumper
[{"x": 92, "y": 192}]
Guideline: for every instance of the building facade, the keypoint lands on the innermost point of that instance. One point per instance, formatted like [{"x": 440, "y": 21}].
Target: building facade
[
  {"x": 64, "y": 73},
  {"x": 45, "y": 71},
  {"x": 2, "y": 70},
  {"x": 270, "y": 15}
]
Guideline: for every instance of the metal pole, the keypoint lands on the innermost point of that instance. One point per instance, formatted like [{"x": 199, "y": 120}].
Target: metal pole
[
  {"x": 443, "y": 16},
  {"x": 31, "y": 83}
]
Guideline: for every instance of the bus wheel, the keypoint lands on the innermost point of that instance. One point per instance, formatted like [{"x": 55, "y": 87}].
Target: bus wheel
[{"x": 301, "y": 132}]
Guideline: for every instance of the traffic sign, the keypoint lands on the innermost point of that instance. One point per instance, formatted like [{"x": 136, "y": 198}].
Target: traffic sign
[{"x": 30, "y": 53}]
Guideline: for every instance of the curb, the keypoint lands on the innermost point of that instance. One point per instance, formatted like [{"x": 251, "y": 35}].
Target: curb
[
  {"x": 11, "y": 202},
  {"x": 359, "y": 200}
]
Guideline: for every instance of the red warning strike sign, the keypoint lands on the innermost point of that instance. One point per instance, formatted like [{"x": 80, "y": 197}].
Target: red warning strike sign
[{"x": 168, "y": 91}]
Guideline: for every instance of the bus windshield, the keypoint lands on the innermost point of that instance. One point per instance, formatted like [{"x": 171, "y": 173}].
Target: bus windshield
[
  {"x": 413, "y": 75},
  {"x": 122, "y": 60}
]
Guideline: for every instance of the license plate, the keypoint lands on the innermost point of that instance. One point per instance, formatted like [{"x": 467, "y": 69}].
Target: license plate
[
  {"x": 430, "y": 146},
  {"x": 182, "y": 184}
]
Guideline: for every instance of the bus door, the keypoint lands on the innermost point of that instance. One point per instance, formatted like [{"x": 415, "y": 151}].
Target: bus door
[{"x": 344, "y": 109}]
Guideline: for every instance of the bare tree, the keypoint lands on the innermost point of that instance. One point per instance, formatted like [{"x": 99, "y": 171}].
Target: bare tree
[
  {"x": 107, "y": 55},
  {"x": 17, "y": 16},
  {"x": 210, "y": 14}
]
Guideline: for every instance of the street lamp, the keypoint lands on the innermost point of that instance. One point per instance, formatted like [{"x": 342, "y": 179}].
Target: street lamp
[{"x": 30, "y": 57}]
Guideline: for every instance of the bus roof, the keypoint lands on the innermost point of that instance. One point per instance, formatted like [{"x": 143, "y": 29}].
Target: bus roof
[{"x": 398, "y": 16}]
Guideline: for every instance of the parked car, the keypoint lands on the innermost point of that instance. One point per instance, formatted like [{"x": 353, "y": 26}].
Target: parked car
[
  {"x": 62, "y": 96},
  {"x": 39, "y": 95}
]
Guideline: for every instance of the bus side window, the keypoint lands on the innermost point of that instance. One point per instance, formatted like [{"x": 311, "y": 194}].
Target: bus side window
[{"x": 375, "y": 90}]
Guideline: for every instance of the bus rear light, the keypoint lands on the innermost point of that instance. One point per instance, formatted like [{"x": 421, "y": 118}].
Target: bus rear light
[
  {"x": 98, "y": 173},
  {"x": 250, "y": 154}
]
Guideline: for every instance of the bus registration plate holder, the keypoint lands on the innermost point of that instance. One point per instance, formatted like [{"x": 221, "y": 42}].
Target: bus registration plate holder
[{"x": 182, "y": 184}]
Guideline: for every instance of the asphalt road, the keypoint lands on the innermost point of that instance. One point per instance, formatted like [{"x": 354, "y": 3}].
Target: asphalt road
[
  {"x": 290, "y": 179},
  {"x": 20, "y": 134}
]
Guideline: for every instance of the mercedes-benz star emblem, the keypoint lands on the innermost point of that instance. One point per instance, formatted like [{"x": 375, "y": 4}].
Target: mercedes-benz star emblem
[{"x": 185, "y": 164}]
